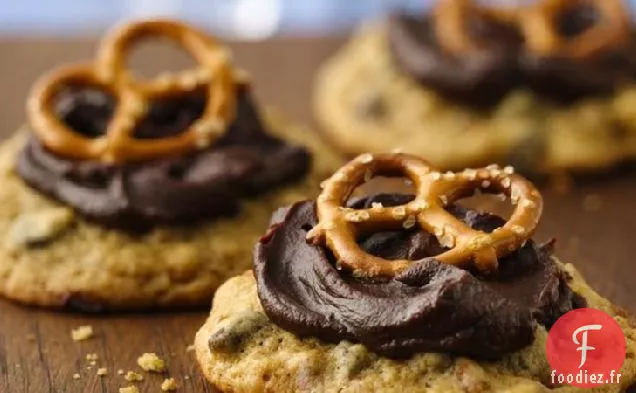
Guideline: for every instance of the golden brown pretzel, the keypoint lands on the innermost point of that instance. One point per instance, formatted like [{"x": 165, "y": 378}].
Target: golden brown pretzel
[
  {"x": 451, "y": 18},
  {"x": 339, "y": 227},
  {"x": 538, "y": 23},
  {"x": 214, "y": 74}
]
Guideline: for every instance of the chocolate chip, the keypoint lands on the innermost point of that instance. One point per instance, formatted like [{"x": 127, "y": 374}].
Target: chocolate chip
[
  {"x": 371, "y": 106},
  {"x": 232, "y": 332},
  {"x": 631, "y": 389},
  {"x": 82, "y": 302}
]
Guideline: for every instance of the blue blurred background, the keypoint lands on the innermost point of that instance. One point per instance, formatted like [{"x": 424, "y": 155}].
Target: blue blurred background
[
  {"x": 242, "y": 19},
  {"x": 247, "y": 19}
]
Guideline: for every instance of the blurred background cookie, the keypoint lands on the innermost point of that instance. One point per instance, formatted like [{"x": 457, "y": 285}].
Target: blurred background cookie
[
  {"x": 129, "y": 193},
  {"x": 546, "y": 86}
]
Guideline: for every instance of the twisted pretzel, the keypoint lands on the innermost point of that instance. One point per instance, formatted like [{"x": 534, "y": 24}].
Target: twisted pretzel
[
  {"x": 214, "y": 74},
  {"x": 451, "y": 27},
  {"x": 538, "y": 23},
  {"x": 338, "y": 228}
]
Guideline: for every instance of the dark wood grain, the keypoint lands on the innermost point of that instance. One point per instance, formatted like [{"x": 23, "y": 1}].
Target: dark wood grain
[{"x": 36, "y": 351}]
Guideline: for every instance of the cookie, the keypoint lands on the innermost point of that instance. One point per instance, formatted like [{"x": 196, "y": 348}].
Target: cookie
[
  {"x": 121, "y": 194},
  {"x": 392, "y": 88},
  {"x": 399, "y": 292},
  {"x": 240, "y": 350}
]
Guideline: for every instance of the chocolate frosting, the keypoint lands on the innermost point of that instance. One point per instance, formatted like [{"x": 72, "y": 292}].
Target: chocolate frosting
[
  {"x": 481, "y": 79},
  {"x": 186, "y": 188},
  {"x": 431, "y": 307}
]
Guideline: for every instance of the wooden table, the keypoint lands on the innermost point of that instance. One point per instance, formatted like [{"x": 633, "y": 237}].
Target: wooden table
[{"x": 594, "y": 224}]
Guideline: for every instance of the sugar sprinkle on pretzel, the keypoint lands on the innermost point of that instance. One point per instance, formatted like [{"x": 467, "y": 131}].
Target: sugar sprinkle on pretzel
[
  {"x": 214, "y": 75},
  {"x": 466, "y": 247}
]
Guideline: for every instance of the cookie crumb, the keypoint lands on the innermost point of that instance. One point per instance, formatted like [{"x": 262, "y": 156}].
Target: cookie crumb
[
  {"x": 76, "y": 376},
  {"x": 129, "y": 389},
  {"x": 132, "y": 376},
  {"x": 91, "y": 357},
  {"x": 592, "y": 203},
  {"x": 168, "y": 385},
  {"x": 120, "y": 372},
  {"x": 187, "y": 377},
  {"x": 151, "y": 362},
  {"x": 190, "y": 348},
  {"x": 82, "y": 333},
  {"x": 102, "y": 371}
]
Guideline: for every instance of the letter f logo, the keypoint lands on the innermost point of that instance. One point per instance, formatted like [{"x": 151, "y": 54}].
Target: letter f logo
[
  {"x": 583, "y": 344},
  {"x": 571, "y": 339}
]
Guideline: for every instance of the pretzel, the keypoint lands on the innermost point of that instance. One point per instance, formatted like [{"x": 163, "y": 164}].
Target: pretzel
[
  {"x": 538, "y": 25},
  {"x": 214, "y": 74},
  {"x": 451, "y": 28},
  {"x": 338, "y": 227}
]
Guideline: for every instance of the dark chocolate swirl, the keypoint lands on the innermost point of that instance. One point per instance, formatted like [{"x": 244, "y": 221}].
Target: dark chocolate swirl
[
  {"x": 432, "y": 307},
  {"x": 483, "y": 78},
  {"x": 181, "y": 189}
]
